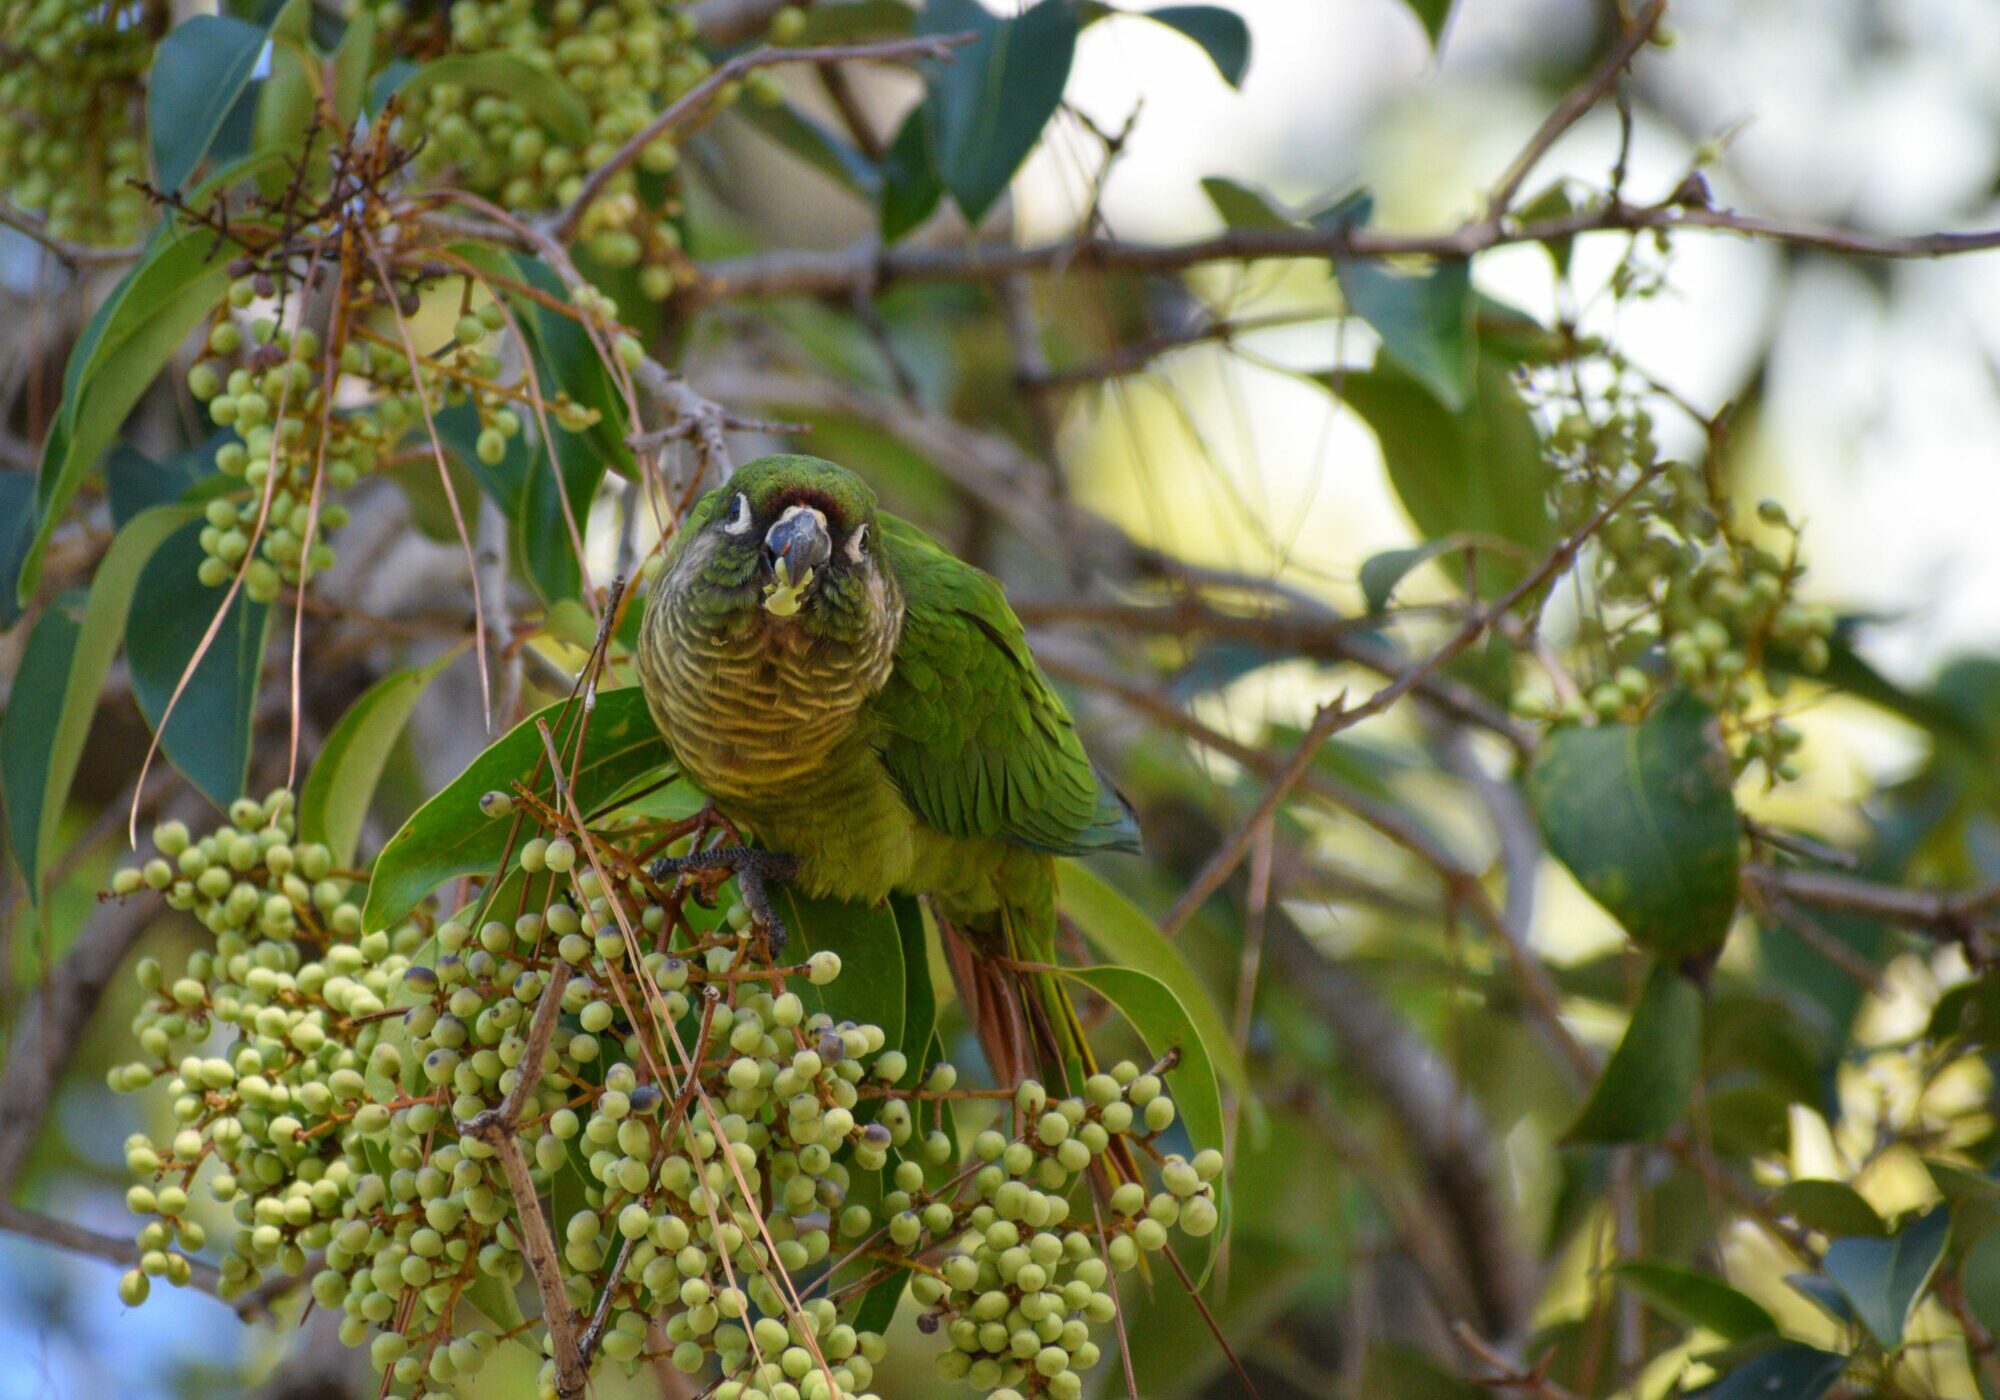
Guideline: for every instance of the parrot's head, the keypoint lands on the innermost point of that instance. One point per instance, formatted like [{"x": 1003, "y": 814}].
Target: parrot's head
[{"x": 802, "y": 530}]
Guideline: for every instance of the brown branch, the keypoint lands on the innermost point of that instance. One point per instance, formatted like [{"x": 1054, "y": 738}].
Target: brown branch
[
  {"x": 1958, "y": 917},
  {"x": 496, "y": 1127},
  {"x": 75, "y": 254},
  {"x": 696, "y": 101},
  {"x": 113, "y": 1249},
  {"x": 1505, "y": 1375}
]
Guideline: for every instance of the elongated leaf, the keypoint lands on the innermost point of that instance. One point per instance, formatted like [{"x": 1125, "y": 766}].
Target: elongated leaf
[
  {"x": 1979, "y": 1276},
  {"x": 334, "y": 801},
  {"x": 199, "y": 70},
  {"x": 1646, "y": 1085},
  {"x": 816, "y": 146},
  {"x": 126, "y": 344},
  {"x": 1120, "y": 930},
  {"x": 910, "y": 188},
  {"x": 1644, "y": 817},
  {"x": 1163, "y": 1023},
  {"x": 208, "y": 736},
  {"x": 1824, "y": 1296},
  {"x": 1241, "y": 206},
  {"x": 449, "y": 836},
  {"x": 55, "y": 693},
  {"x": 988, "y": 106},
  {"x": 919, "y": 993},
  {"x": 350, "y": 68},
  {"x": 541, "y": 92},
  {"x": 1424, "y": 319},
  {"x": 1696, "y": 1300},
  {"x": 1431, "y": 14},
  {"x": 17, "y": 533},
  {"x": 1222, "y": 34},
  {"x": 1831, "y": 1207},
  {"x": 1476, "y": 472},
  {"x": 135, "y": 482},
  {"x": 1790, "y": 1372},
  {"x": 1380, "y": 573},
  {"x": 856, "y": 19},
  {"x": 870, "y": 988},
  {"x": 1883, "y": 1278}
]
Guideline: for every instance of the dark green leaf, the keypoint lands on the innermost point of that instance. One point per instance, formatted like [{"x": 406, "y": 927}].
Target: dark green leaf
[
  {"x": 816, "y": 146},
  {"x": 334, "y": 802},
  {"x": 1823, "y": 1295},
  {"x": 1831, "y": 1207},
  {"x": 54, "y": 698},
  {"x": 1696, "y": 1300},
  {"x": 541, "y": 92},
  {"x": 878, "y": 1308},
  {"x": 449, "y": 836},
  {"x": 1380, "y": 573},
  {"x": 1431, "y": 14},
  {"x": 17, "y": 533},
  {"x": 1883, "y": 1278},
  {"x": 1240, "y": 206},
  {"x": 1476, "y": 472},
  {"x": 1120, "y": 930},
  {"x": 208, "y": 735},
  {"x": 1646, "y": 1085},
  {"x": 1399, "y": 1373},
  {"x": 870, "y": 988},
  {"x": 1222, "y": 34},
  {"x": 1552, "y": 203},
  {"x": 135, "y": 482},
  {"x": 1424, "y": 319},
  {"x": 856, "y": 19},
  {"x": 123, "y": 348},
  {"x": 987, "y": 107},
  {"x": 919, "y": 994},
  {"x": 1644, "y": 817},
  {"x": 1790, "y": 1372},
  {"x": 1979, "y": 1276},
  {"x": 910, "y": 188},
  {"x": 351, "y": 62},
  {"x": 199, "y": 70},
  {"x": 1351, "y": 210}
]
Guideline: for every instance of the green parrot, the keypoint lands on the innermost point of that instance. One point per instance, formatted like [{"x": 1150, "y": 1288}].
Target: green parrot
[{"x": 866, "y": 705}]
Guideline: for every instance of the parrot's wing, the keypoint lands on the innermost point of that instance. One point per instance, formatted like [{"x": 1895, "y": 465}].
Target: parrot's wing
[{"x": 969, "y": 728}]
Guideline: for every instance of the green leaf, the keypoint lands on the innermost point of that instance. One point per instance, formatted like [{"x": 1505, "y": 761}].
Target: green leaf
[
  {"x": 17, "y": 533},
  {"x": 1979, "y": 1276},
  {"x": 1222, "y": 34},
  {"x": 1431, "y": 14},
  {"x": 123, "y": 348},
  {"x": 351, "y": 61},
  {"x": 135, "y": 482},
  {"x": 208, "y": 736},
  {"x": 1644, "y": 817},
  {"x": 1789, "y": 1372},
  {"x": 1476, "y": 472},
  {"x": 856, "y": 19},
  {"x": 1240, "y": 206},
  {"x": 878, "y": 1307},
  {"x": 54, "y": 698},
  {"x": 1399, "y": 1373},
  {"x": 1424, "y": 319},
  {"x": 334, "y": 802},
  {"x": 496, "y": 1301},
  {"x": 449, "y": 836},
  {"x": 1380, "y": 573},
  {"x": 199, "y": 70},
  {"x": 1646, "y": 1085},
  {"x": 542, "y": 93},
  {"x": 1883, "y": 1278},
  {"x": 1162, "y": 1021},
  {"x": 816, "y": 146},
  {"x": 919, "y": 994},
  {"x": 1696, "y": 1300},
  {"x": 1824, "y": 1296},
  {"x": 910, "y": 188},
  {"x": 1120, "y": 930},
  {"x": 870, "y": 987},
  {"x": 987, "y": 107},
  {"x": 1831, "y": 1207}
]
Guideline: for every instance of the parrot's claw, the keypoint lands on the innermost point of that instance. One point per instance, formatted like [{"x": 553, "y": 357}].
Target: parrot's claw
[{"x": 755, "y": 872}]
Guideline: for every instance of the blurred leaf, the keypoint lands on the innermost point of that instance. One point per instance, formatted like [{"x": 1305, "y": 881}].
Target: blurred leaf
[
  {"x": 1789, "y": 1372},
  {"x": 1644, "y": 817},
  {"x": 816, "y": 146},
  {"x": 121, "y": 351},
  {"x": 351, "y": 62},
  {"x": 1824, "y": 1296},
  {"x": 1883, "y": 1278},
  {"x": 1979, "y": 1276},
  {"x": 1398, "y": 1373},
  {"x": 1163, "y": 1023},
  {"x": 1695, "y": 1300},
  {"x": 1476, "y": 472},
  {"x": 1380, "y": 573},
  {"x": 1222, "y": 34},
  {"x": 856, "y": 19},
  {"x": 1970, "y": 1009},
  {"x": 541, "y": 92},
  {"x": 987, "y": 107},
  {"x": 55, "y": 690},
  {"x": 1646, "y": 1085},
  {"x": 1241, "y": 206},
  {"x": 910, "y": 188},
  {"x": 335, "y": 800},
  {"x": 1831, "y": 1207},
  {"x": 1552, "y": 203},
  {"x": 208, "y": 736},
  {"x": 199, "y": 70},
  {"x": 136, "y": 482},
  {"x": 1424, "y": 319},
  {"x": 496, "y": 1301},
  {"x": 449, "y": 836},
  {"x": 1350, "y": 210},
  {"x": 17, "y": 533},
  {"x": 1431, "y": 14},
  {"x": 870, "y": 988},
  {"x": 1120, "y": 930}
]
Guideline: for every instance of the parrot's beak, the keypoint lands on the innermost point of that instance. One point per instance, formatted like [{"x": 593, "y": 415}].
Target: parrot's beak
[{"x": 797, "y": 547}]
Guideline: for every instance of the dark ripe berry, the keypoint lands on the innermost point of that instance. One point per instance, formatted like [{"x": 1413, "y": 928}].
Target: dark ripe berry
[
  {"x": 646, "y": 1098},
  {"x": 264, "y": 284}
]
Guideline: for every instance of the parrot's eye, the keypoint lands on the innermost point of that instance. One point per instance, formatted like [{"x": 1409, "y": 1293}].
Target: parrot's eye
[
  {"x": 739, "y": 519},
  {"x": 857, "y": 544}
]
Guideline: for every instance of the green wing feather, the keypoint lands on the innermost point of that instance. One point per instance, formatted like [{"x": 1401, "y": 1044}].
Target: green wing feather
[{"x": 970, "y": 729}]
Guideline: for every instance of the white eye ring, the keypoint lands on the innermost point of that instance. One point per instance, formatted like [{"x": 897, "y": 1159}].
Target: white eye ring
[
  {"x": 739, "y": 522},
  {"x": 857, "y": 544}
]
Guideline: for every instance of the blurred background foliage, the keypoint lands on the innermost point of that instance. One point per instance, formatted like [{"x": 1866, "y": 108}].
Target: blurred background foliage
[{"x": 1414, "y": 1215}]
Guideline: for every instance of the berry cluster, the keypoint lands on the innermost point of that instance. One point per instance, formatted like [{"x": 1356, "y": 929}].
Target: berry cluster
[
  {"x": 731, "y": 1167},
  {"x": 70, "y": 114}
]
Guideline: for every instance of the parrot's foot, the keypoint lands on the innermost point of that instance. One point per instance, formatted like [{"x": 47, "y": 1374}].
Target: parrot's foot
[{"x": 755, "y": 871}]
